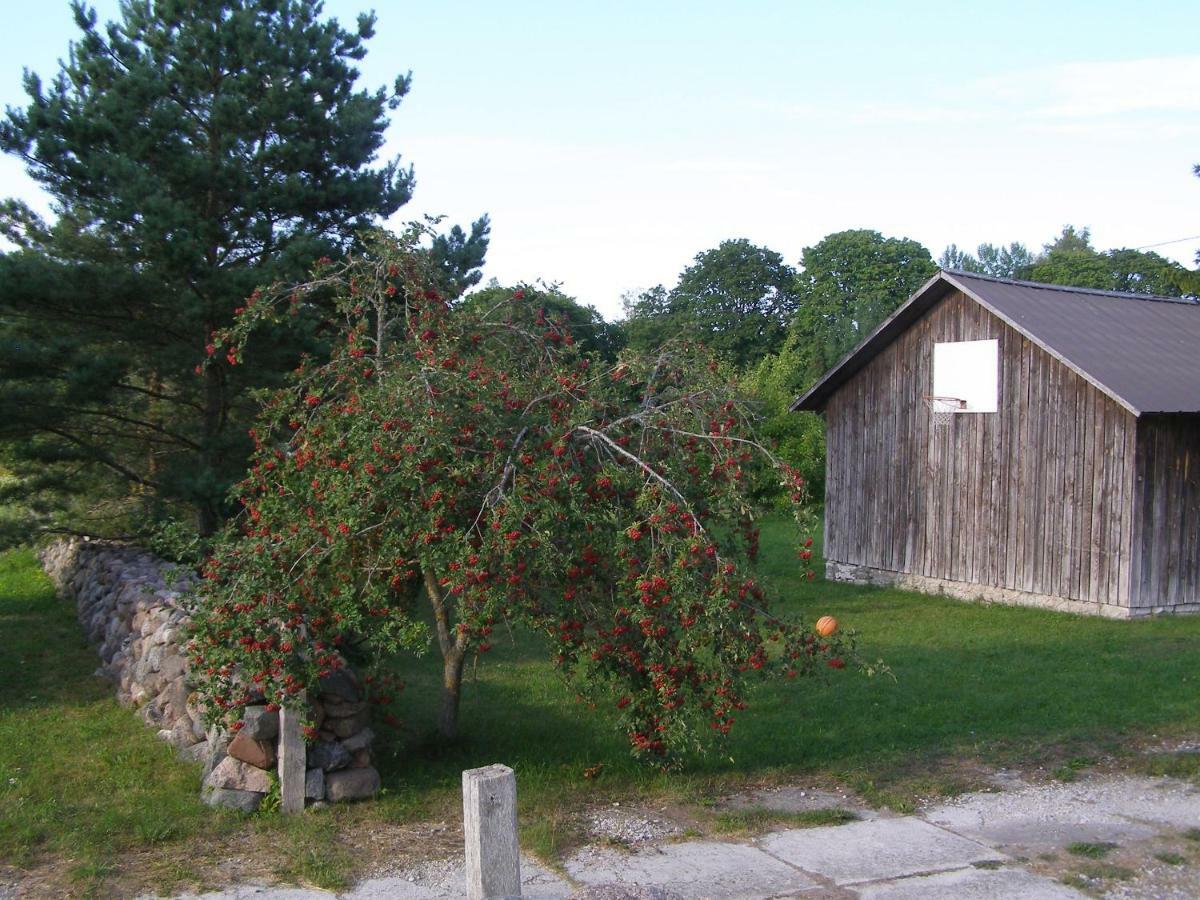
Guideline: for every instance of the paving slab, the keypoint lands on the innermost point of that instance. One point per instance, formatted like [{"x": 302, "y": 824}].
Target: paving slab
[
  {"x": 1054, "y": 815},
  {"x": 441, "y": 880},
  {"x": 697, "y": 869},
  {"x": 256, "y": 892},
  {"x": 435, "y": 880},
  {"x": 971, "y": 884},
  {"x": 875, "y": 850}
]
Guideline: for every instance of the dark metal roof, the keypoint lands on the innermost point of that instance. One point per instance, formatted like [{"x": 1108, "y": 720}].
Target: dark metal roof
[{"x": 1142, "y": 351}]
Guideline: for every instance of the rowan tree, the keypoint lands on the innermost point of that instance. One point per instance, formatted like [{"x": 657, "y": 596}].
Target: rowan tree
[{"x": 474, "y": 458}]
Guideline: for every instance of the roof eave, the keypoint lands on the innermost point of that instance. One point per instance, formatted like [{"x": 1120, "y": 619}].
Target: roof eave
[{"x": 814, "y": 398}]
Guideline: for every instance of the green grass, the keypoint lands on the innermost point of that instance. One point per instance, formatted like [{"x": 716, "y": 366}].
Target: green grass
[
  {"x": 1070, "y": 770},
  {"x": 78, "y": 774},
  {"x": 82, "y": 780},
  {"x": 994, "y": 684},
  {"x": 84, "y": 783},
  {"x": 1090, "y": 849},
  {"x": 755, "y": 820}
]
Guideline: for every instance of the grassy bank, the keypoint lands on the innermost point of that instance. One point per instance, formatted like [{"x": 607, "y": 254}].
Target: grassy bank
[
  {"x": 91, "y": 802},
  {"x": 89, "y": 791}
]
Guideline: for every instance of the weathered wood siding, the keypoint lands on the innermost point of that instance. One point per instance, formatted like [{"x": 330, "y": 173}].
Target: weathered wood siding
[
  {"x": 1036, "y": 498},
  {"x": 1166, "y": 548}
]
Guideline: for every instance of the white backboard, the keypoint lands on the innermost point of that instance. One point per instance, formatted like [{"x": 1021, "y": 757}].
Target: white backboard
[{"x": 967, "y": 370}]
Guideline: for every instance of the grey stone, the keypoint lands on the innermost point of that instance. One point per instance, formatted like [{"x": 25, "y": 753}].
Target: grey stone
[
  {"x": 153, "y": 658},
  {"x": 360, "y": 741},
  {"x": 351, "y": 784},
  {"x": 328, "y": 755},
  {"x": 235, "y": 775},
  {"x": 173, "y": 700},
  {"x": 198, "y": 728},
  {"x": 260, "y": 723},
  {"x": 314, "y": 784},
  {"x": 877, "y": 849},
  {"x": 246, "y": 801},
  {"x": 151, "y": 713},
  {"x": 172, "y": 666},
  {"x": 195, "y": 753},
  {"x": 179, "y": 735},
  {"x": 214, "y": 757},
  {"x": 347, "y": 727},
  {"x": 694, "y": 869},
  {"x": 340, "y": 684},
  {"x": 336, "y": 708}
]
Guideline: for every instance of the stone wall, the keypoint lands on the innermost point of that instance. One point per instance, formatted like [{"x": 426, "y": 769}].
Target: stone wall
[{"x": 135, "y": 607}]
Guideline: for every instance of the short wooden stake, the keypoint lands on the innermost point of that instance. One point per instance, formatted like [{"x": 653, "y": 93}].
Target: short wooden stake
[
  {"x": 490, "y": 830},
  {"x": 292, "y": 754}
]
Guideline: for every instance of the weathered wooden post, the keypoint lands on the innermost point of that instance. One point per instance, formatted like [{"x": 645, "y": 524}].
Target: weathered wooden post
[
  {"x": 490, "y": 830},
  {"x": 292, "y": 752}
]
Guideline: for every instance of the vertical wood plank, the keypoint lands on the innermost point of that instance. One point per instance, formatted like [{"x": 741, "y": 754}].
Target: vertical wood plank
[
  {"x": 291, "y": 760},
  {"x": 490, "y": 833}
]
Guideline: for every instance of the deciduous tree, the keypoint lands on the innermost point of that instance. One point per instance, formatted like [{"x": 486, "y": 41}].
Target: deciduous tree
[
  {"x": 851, "y": 281},
  {"x": 473, "y": 456}
]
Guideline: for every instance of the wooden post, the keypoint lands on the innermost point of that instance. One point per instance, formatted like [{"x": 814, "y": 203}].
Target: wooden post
[
  {"x": 292, "y": 753},
  {"x": 490, "y": 831}
]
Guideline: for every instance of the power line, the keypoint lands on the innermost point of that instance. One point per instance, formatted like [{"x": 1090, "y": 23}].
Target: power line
[{"x": 1194, "y": 237}]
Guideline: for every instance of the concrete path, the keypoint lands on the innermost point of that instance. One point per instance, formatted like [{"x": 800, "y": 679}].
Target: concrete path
[{"x": 1140, "y": 834}]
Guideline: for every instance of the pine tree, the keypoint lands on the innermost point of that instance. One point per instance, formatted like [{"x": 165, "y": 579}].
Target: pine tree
[{"x": 193, "y": 150}]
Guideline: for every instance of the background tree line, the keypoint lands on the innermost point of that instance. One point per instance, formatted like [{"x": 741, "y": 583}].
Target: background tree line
[{"x": 196, "y": 152}]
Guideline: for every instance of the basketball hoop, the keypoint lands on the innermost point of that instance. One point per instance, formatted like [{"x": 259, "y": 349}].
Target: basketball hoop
[{"x": 942, "y": 409}]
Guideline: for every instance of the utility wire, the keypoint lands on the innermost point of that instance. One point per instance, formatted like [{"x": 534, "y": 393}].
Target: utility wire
[{"x": 1194, "y": 237}]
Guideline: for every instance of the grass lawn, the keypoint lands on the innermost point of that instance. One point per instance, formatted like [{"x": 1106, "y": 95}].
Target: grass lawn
[
  {"x": 86, "y": 790},
  {"x": 973, "y": 686}
]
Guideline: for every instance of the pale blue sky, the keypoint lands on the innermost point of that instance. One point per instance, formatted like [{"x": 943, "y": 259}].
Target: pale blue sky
[{"x": 611, "y": 142}]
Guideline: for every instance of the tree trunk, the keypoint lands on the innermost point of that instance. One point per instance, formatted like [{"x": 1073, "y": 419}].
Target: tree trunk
[
  {"x": 208, "y": 518},
  {"x": 453, "y": 644},
  {"x": 452, "y": 670}
]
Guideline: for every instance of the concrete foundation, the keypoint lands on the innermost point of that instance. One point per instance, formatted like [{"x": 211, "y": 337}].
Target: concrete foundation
[{"x": 985, "y": 593}]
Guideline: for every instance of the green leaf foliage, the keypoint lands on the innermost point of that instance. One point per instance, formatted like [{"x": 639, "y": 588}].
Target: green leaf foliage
[
  {"x": 473, "y": 457},
  {"x": 193, "y": 150},
  {"x": 736, "y": 299},
  {"x": 1072, "y": 260},
  {"x": 851, "y": 281},
  {"x": 998, "y": 262}
]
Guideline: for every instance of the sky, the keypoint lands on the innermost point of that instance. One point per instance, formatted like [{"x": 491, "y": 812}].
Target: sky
[{"x": 612, "y": 142}]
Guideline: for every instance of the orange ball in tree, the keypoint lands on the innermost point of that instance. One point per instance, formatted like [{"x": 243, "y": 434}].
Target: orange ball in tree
[{"x": 826, "y": 625}]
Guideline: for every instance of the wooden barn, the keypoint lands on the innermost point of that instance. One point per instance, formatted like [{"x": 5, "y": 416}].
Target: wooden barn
[{"x": 1022, "y": 443}]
